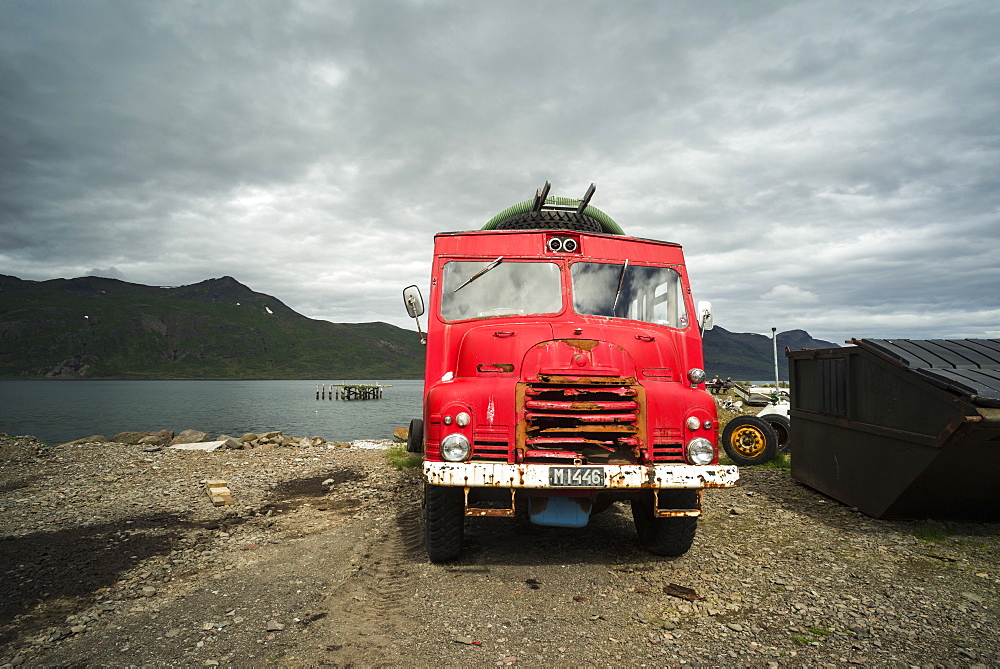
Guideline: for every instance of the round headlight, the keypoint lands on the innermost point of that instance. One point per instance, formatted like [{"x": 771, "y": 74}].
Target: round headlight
[
  {"x": 700, "y": 451},
  {"x": 455, "y": 447},
  {"x": 693, "y": 423},
  {"x": 463, "y": 419},
  {"x": 696, "y": 375}
]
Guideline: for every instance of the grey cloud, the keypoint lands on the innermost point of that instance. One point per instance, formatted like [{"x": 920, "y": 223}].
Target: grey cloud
[
  {"x": 286, "y": 143},
  {"x": 109, "y": 273}
]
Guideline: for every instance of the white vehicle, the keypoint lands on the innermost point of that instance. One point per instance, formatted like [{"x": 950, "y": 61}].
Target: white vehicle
[
  {"x": 776, "y": 416},
  {"x": 754, "y": 440}
]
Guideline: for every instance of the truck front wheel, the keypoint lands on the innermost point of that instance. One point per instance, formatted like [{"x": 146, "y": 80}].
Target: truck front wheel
[
  {"x": 669, "y": 537},
  {"x": 444, "y": 522}
]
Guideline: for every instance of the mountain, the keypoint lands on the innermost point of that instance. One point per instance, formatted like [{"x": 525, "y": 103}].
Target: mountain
[
  {"x": 749, "y": 356},
  {"x": 94, "y": 327}
]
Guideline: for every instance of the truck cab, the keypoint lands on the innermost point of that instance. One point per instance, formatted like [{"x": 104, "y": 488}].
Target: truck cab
[{"x": 564, "y": 373}]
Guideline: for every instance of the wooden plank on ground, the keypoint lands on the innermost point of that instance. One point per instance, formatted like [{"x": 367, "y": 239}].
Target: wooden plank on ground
[{"x": 218, "y": 491}]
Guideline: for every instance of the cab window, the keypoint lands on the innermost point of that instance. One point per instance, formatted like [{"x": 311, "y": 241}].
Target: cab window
[
  {"x": 637, "y": 292},
  {"x": 509, "y": 288}
]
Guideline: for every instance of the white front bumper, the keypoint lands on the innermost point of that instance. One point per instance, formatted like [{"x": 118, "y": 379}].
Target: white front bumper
[{"x": 617, "y": 477}]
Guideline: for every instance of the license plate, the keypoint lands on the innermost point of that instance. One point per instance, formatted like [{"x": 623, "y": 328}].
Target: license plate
[{"x": 576, "y": 477}]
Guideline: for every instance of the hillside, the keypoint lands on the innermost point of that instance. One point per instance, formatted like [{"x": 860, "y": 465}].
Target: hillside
[
  {"x": 746, "y": 356},
  {"x": 92, "y": 327}
]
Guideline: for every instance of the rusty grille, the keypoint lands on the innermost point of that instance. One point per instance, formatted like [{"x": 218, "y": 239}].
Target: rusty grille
[
  {"x": 668, "y": 445},
  {"x": 593, "y": 419},
  {"x": 490, "y": 443}
]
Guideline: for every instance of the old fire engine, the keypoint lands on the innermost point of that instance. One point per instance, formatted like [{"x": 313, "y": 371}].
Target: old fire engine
[{"x": 564, "y": 373}]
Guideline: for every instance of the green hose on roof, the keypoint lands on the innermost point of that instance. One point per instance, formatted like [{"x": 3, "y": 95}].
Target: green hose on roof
[{"x": 608, "y": 224}]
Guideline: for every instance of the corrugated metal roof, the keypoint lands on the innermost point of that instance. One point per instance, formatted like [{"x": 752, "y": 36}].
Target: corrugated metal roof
[{"x": 970, "y": 367}]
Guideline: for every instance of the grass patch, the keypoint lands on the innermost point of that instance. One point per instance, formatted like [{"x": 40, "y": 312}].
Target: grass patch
[
  {"x": 780, "y": 461},
  {"x": 813, "y": 635},
  {"x": 930, "y": 533},
  {"x": 400, "y": 458}
]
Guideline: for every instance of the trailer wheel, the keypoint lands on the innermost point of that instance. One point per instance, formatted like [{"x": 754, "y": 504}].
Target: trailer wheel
[
  {"x": 415, "y": 438},
  {"x": 444, "y": 522},
  {"x": 780, "y": 424},
  {"x": 749, "y": 440},
  {"x": 548, "y": 219},
  {"x": 669, "y": 537}
]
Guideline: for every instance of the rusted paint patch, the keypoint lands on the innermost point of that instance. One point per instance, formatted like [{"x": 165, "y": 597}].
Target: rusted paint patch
[
  {"x": 495, "y": 367},
  {"x": 561, "y": 379},
  {"x": 625, "y": 429},
  {"x": 593, "y": 405},
  {"x": 625, "y": 476},
  {"x": 476, "y": 511},
  {"x": 571, "y": 391},
  {"x": 581, "y": 344},
  {"x": 676, "y": 513},
  {"x": 584, "y": 421}
]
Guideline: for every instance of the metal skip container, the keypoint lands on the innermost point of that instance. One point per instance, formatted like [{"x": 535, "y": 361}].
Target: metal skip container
[{"x": 900, "y": 428}]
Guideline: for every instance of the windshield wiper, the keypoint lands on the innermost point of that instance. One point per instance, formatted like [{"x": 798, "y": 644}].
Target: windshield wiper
[
  {"x": 479, "y": 273},
  {"x": 621, "y": 280}
]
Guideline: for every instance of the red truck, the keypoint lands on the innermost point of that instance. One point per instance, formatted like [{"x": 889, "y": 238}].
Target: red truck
[{"x": 564, "y": 373}]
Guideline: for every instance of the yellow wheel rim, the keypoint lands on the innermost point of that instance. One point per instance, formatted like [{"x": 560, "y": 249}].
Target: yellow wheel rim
[{"x": 748, "y": 441}]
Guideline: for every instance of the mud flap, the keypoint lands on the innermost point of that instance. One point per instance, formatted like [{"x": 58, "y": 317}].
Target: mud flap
[{"x": 559, "y": 511}]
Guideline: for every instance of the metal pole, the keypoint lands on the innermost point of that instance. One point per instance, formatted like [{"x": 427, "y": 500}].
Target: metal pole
[{"x": 774, "y": 341}]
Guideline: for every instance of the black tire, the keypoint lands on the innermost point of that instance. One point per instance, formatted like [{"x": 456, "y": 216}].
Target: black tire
[
  {"x": 550, "y": 220},
  {"x": 444, "y": 522},
  {"x": 781, "y": 426},
  {"x": 415, "y": 438},
  {"x": 749, "y": 440},
  {"x": 669, "y": 537}
]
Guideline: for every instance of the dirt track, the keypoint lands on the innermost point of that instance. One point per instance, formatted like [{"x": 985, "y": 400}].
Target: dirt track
[{"x": 113, "y": 555}]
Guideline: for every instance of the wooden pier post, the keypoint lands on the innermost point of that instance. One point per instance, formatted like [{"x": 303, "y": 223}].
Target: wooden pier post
[{"x": 354, "y": 391}]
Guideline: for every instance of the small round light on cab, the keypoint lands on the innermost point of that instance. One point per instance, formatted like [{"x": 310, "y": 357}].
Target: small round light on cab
[
  {"x": 463, "y": 419},
  {"x": 693, "y": 423},
  {"x": 696, "y": 375},
  {"x": 446, "y": 420}
]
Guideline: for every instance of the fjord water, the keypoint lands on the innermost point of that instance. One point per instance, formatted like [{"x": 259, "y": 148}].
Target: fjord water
[{"x": 59, "y": 411}]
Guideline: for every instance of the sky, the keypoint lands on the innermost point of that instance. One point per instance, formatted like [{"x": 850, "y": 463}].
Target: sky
[{"x": 827, "y": 166}]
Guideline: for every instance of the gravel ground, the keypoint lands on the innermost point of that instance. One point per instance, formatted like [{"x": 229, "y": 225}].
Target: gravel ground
[{"x": 114, "y": 555}]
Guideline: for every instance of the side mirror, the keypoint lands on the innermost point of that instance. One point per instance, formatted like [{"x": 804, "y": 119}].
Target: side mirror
[
  {"x": 414, "y": 301},
  {"x": 705, "y": 320}
]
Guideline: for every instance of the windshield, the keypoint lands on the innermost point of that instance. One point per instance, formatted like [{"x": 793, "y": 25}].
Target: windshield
[
  {"x": 509, "y": 288},
  {"x": 651, "y": 294}
]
